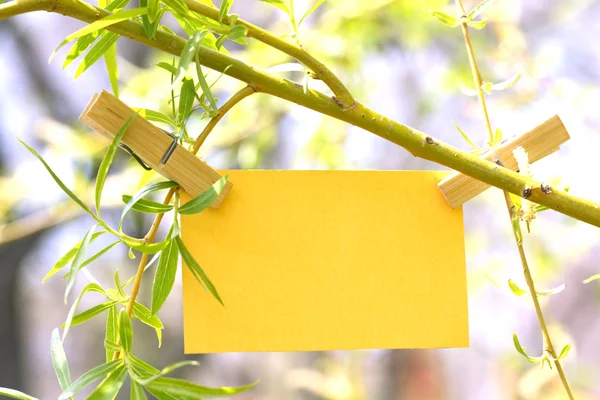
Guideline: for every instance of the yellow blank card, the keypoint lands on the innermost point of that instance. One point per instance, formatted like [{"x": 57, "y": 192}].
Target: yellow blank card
[{"x": 324, "y": 260}]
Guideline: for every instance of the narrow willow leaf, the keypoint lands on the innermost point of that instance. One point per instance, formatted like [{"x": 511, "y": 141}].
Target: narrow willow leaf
[
  {"x": 167, "y": 67},
  {"x": 179, "y": 388},
  {"x": 521, "y": 350},
  {"x": 148, "y": 206},
  {"x": 109, "y": 387},
  {"x": 464, "y": 89},
  {"x": 109, "y": 20},
  {"x": 479, "y": 25},
  {"x": 137, "y": 391},
  {"x": 66, "y": 259},
  {"x": 58, "y": 181},
  {"x": 153, "y": 10},
  {"x": 112, "y": 347},
  {"x": 516, "y": 289},
  {"x": 112, "y": 331},
  {"x": 186, "y": 99},
  {"x": 196, "y": 270},
  {"x": 165, "y": 276},
  {"x": 205, "y": 199},
  {"x": 478, "y": 9},
  {"x": 149, "y": 248},
  {"x": 141, "y": 367},
  {"x": 59, "y": 361},
  {"x": 99, "y": 254},
  {"x": 202, "y": 80},
  {"x": 310, "y": 11},
  {"x": 224, "y": 9},
  {"x": 91, "y": 313},
  {"x": 91, "y": 376},
  {"x": 444, "y": 18},
  {"x": 497, "y": 137},
  {"x": 145, "y": 315},
  {"x": 179, "y": 6},
  {"x": 156, "y": 116},
  {"x": 78, "y": 260},
  {"x": 187, "y": 54},
  {"x": 107, "y": 161},
  {"x": 118, "y": 285},
  {"x": 167, "y": 370},
  {"x": 516, "y": 225},
  {"x": 15, "y": 394},
  {"x": 112, "y": 67},
  {"x": 80, "y": 46},
  {"x": 465, "y": 136},
  {"x": 107, "y": 40},
  {"x": 510, "y": 82},
  {"x": 125, "y": 331},
  {"x": 281, "y": 4},
  {"x": 237, "y": 32},
  {"x": 592, "y": 278},
  {"x": 556, "y": 290},
  {"x": 564, "y": 352},
  {"x": 91, "y": 287},
  {"x": 153, "y": 187}
]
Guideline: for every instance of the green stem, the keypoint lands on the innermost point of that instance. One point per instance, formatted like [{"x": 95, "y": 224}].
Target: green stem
[
  {"x": 511, "y": 210},
  {"x": 418, "y": 143}
]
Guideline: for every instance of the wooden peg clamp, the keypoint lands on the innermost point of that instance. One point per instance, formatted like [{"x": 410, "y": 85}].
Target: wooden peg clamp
[
  {"x": 106, "y": 114},
  {"x": 542, "y": 140}
]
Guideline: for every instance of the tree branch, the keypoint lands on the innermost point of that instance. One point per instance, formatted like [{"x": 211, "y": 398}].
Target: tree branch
[{"x": 418, "y": 143}]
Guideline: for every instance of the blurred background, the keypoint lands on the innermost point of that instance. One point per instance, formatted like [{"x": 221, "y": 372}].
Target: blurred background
[{"x": 394, "y": 57}]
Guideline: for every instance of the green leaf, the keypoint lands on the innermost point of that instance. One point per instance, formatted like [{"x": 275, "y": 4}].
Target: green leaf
[
  {"x": 565, "y": 351},
  {"x": 515, "y": 288},
  {"x": 516, "y": 225},
  {"x": 205, "y": 88},
  {"x": 153, "y": 10},
  {"x": 179, "y": 388},
  {"x": 556, "y": 290},
  {"x": 92, "y": 375},
  {"x": 478, "y": 9},
  {"x": 58, "y": 181},
  {"x": 444, "y": 18},
  {"x": 465, "y": 136},
  {"x": 66, "y": 259},
  {"x": 497, "y": 137},
  {"x": 15, "y": 394},
  {"x": 196, "y": 270},
  {"x": 110, "y": 386},
  {"x": 521, "y": 350},
  {"x": 156, "y": 116},
  {"x": 141, "y": 367},
  {"x": 205, "y": 199},
  {"x": 111, "y": 346},
  {"x": 112, "y": 67},
  {"x": 187, "y": 54},
  {"x": 464, "y": 89},
  {"x": 112, "y": 331},
  {"x": 153, "y": 187},
  {"x": 118, "y": 285},
  {"x": 78, "y": 260},
  {"x": 165, "y": 276},
  {"x": 151, "y": 24},
  {"x": 107, "y": 161},
  {"x": 149, "y": 248},
  {"x": 592, "y": 278},
  {"x": 145, "y": 316},
  {"x": 479, "y": 25},
  {"x": 224, "y": 9},
  {"x": 91, "y": 287},
  {"x": 281, "y": 4},
  {"x": 237, "y": 32},
  {"x": 167, "y": 370},
  {"x": 80, "y": 46},
  {"x": 167, "y": 67},
  {"x": 59, "y": 361},
  {"x": 109, "y": 20},
  {"x": 148, "y": 206},
  {"x": 186, "y": 99},
  {"x": 99, "y": 254},
  {"x": 91, "y": 313},
  {"x": 125, "y": 331},
  {"x": 310, "y": 11},
  {"x": 137, "y": 391},
  {"x": 107, "y": 40},
  {"x": 510, "y": 82},
  {"x": 178, "y": 6}
]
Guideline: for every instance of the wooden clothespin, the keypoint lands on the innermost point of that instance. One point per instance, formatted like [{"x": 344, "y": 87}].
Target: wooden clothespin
[
  {"x": 106, "y": 114},
  {"x": 542, "y": 140}
]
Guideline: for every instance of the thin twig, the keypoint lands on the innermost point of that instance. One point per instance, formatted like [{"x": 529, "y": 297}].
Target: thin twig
[{"x": 511, "y": 208}]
